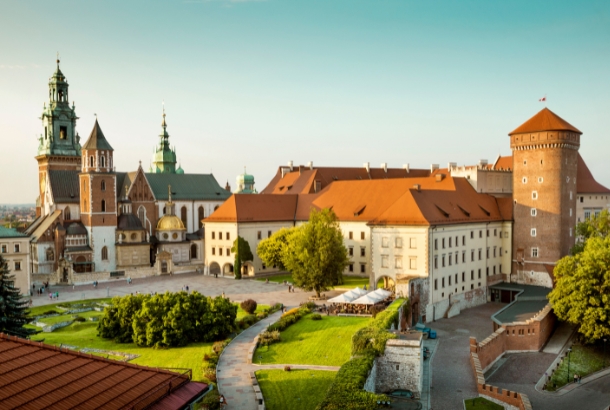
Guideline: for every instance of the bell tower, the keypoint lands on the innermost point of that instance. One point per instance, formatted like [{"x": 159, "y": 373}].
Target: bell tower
[
  {"x": 545, "y": 158},
  {"x": 164, "y": 158},
  {"x": 59, "y": 144}
]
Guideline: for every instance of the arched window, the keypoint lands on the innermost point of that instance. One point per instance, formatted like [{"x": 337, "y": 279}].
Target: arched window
[
  {"x": 200, "y": 216},
  {"x": 183, "y": 215},
  {"x": 142, "y": 216},
  {"x": 104, "y": 253},
  {"x": 103, "y": 206},
  {"x": 102, "y": 161},
  {"x": 91, "y": 161},
  {"x": 67, "y": 215},
  {"x": 194, "y": 251},
  {"x": 103, "y": 185}
]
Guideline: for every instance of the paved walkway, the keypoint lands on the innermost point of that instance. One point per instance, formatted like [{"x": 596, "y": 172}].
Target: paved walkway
[{"x": 559, "y": 338}]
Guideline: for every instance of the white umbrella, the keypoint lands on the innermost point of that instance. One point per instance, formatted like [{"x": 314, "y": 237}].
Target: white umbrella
[
  {"x": 369, "y": 299},
  {"x": 359, "y": 291},
  {"x": 382, "y": 292},
  {"x": 343, "y": 298}
]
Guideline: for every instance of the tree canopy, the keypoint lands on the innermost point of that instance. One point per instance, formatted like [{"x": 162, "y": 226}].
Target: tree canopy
[
  {"x": 13, "y": 307},
  {"x": 582, "y": 290},
  {"x": 596, "y": 225},
  {"x": 242, "y": 252},
  {"x": 271, "y": 250},
  {"x": 315, "y": 254}
]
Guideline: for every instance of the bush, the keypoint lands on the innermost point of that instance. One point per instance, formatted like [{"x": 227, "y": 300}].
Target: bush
[
  {"x": 372, "y": 339},
  {"x": 310, "y": 305},
  {"x": 269, "y": 337},
  {"x": 211, "y": 401},
  {"x": 316, "y": 316},
  {"x": 50, "y": 312},
  {"x": 218, "y": 347},
  {"x": 249, "y": 320},
  {"x": 292, "y": 311},
  {"x": 262, "y": 315},
  {"x": 249, "y": 305},
  {"x": 80, "y": 319},
  {"x": 286, "y": 368}
]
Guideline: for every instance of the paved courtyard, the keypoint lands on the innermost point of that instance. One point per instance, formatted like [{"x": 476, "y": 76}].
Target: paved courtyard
[{"x": 237, "y": 290}]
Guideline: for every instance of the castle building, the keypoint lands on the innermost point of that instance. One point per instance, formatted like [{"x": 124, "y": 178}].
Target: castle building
[
  {"x": 95, "y": 223},
  {"x": 244, "y": 184}
]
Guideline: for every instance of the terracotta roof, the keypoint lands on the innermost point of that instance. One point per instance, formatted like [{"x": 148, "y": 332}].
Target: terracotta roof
[
  {"x": 585, "y": 183},
  {"x": 256, "y": 207},
  {"x": 545, "y": 120},
  {"x": 96, "y": 139},
  {"x": 504, "y": 163},
  {"x": 302, "y": 179},
  {"x": 505, "y": 205},
  {"x": 38, "y": 376}
]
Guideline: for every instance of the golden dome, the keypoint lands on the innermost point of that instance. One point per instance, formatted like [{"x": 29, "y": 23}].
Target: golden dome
[{"x": 170, "y": 223}]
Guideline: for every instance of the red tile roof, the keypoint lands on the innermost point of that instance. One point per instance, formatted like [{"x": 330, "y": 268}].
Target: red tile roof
[
  {"x": 585, "y": 183},
  {"x": 302, "y": 179},
  {"x": 545, "y": 120},
  {"x": 38, "y": 376},
  {"x": 255, "y": 207}
]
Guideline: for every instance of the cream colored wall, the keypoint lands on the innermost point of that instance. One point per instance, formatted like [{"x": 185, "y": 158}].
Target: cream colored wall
[
  {"x": 134, "y": 255},
  {"x": 592, "y": 203},
  {"x": 499, "y": 183},
  {"x": 249, "y": 231},
  {"x": 22, "y": 276},
  {"x": 356, "y": 243},
  {"x": 405, "y": 251},
  {"x": 217, "y": 243}
]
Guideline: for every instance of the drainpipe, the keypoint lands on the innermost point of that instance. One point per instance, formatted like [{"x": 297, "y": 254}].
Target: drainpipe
[{"x": 431, "y": 246}]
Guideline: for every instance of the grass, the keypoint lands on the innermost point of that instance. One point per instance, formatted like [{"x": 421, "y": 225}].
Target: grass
[
  {"x": 481, "y": 404},
  {"x": 584, "y": 360},
  {"x": 324, "y": 342},
  {"x": 241, "y": 313},
  {"x": 296, "y": 389},
  {"x": 40, "y": 310},
  {"x": 349, "y": 282}
]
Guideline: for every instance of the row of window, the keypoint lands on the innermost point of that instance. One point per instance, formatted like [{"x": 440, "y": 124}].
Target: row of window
[
  {"x": 16, "y": 248},
  {"x": 463, "y": 288},
  {"x": 350, "y": 267},
  {"x": 227, "y": 236},
  {"x": 350, "y": 251},
  {"x": 456, "y": 277},
  {"x": 385, "y": 242},
  {"x": 450, "y": 242},
  {"x": 454, "y": 258},
  {"x": 533, "y": 232},
  {"x": 350, "y": 235},
  {"x": 385, "y": 262},
  {"x": 220, "y": 250}
]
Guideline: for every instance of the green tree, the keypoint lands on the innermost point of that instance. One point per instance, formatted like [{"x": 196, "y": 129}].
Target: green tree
[
  {"x": 271, "y": 250},
  {"x": 242, "y": 252},
  {"x": 315, "y": 253},
  {"x": 582, "y": 290},
  {"x": 13, "y": 307},
  {"x": 598, "y": 225}
]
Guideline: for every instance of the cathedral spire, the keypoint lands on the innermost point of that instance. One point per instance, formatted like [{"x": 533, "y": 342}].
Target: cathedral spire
[{"x": 164, "y": 158}]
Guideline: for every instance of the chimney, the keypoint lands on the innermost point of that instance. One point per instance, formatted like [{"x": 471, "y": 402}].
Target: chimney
[
  {"x": 284, "y": 171},
  {"x": 406, "y": 167},
  {"x": 417, "y": 187},
  {"x": 384, "y": 165},
  {"x": 310, "y": 164},
  {"x": 433, "y": 167},
  {"x": 367, "y": 166},
  {"x": 451, "y": 165},
  {"x": 482, "y": 163},
  {"x": 290, "y": 165},
  {"x": 439, "y": 177}
]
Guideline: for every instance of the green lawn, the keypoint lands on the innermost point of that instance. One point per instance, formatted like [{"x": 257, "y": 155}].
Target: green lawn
[
  {"x": 584, "y": 360},
  {"x": 40, "y": 310},
  {"x": 324, "y": 342},
  {"x": 241, "y": 313},
  {"x": 481, "y": 404},
  {"x": 349, "y": 282},
  {"x": 294, "y": 390}
]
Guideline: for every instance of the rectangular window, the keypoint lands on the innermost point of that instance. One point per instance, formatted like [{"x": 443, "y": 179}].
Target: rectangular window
[
  {"x": 494, "y": 270},
  {"x": 443, "y": 240},
  {"x": 443, "y": 261},
  {"x": 436, "y": 244},
  {"x": 362, "y": 235},
  {"x": 398, "y": 242},
  {"x": 213, "y": 235},
  {"x": 495, "y": 232},
  {"x": 495, "y": 251},
  {"x": 264, "y": 266},
  {"x": 457, "y": 243},
  {"x": 533, "y": 211},
  {"x": 479, "y": 275},
  {"x": 487, "y": 271},
  {"x": 362, "y": 251},
  {"x": 351, "y": 251},
  {"x": 533, "y": 232},
  {"x": 398, "y": 262},
  {"x": 220, "y": 235},
  {"x": 463, "y": 276},
  {"x": 472, "y": 255},
  {"x": 456, "y": 258},
  {"x": 220, "y": 251},
  {"x": 443, "y": 282},
  {"x": 463, "y": 240},
  {"x": 450, "y": 259},
  {"x": 435, "y": 262},
  {"x": 587, "y": 214},
  {"x": 228, "y": 251},
  {"x": 228, "y": 236},
  {"x": 362, "y": 268},
  {"x": 351, "y": 235},
  {"x": 456, "y": 278},
  {"x": 259, "y": 235},
  {"x": 488, "y": 233},
  {"x": 351, "y": 267},
  {"x": 500, "y": 254},
  {"x": 449, "y": 280},
  {"x": 534, "y": 195},
  {"x": 450, "y": 241},
  {"x": 480, "y": 234},
  {"x": 435, "y": 284},
  {"x": 534, "y": 252},
  {"x": 487, "y": 253},
  {"x": 480, "y": 253},
  {"x": 213, "y": 251},
  {"x": 16, "y": 248},
  {"x": 413, "y": 263},
  {"x": 472, "y": 275},
  {"x": 3, "y": 248},
  {"x": 413, "y": 243},
  {"x": 471, "y": 234},
  {"x": 384, "y": 261},
  {"x": 17, "y": 265},
  {"x": 463, "y": 256},
  {"x": 471, "y": 286},
  {"x": 385, "y": 242},
  {"x": 269, "y": 234}
]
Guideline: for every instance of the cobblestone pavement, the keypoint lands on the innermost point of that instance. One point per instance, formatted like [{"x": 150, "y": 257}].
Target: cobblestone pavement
[
  {"x": 521, "y": 372},
  {"x": 452, "y": 379},
  {"x": 238, "y": 290}
]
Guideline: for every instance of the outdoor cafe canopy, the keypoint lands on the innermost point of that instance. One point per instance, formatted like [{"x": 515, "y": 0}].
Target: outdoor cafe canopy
[{"x": 369, "y": 299}]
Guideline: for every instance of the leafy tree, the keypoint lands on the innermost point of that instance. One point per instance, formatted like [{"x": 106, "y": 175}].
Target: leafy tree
[
  {"x": 242, "y": 252},
  {"x": 315, "y": 253},
  {"x": 13, "y": 307},
  {"x": 594, "y": 226},
  {"x": 582, "y": 290},
  {"x": 271, "y": 250}
]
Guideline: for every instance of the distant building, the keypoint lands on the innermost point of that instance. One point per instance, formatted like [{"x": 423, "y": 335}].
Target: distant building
[
  {"x": 15, "y": 249},
  {"x": 244, "y": 184}
]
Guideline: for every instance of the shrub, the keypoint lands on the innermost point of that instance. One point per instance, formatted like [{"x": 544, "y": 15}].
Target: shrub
[
  {"x": 372, "y": 339},
  {"x": 286, "y": 368},
  {"x": 80, "y": 319},
  {"x": 210, "y": 374},
  {"x": 269, "y": 337},
  {"x": 316, "y": 316},
  {"x": 211, "y": 401},
  {"x": 292, "y": 311},
  {"x": 310, "y": 305},
  {"x": 218, "y": 347},
  {"x": 249, "y": 319},
  {"x": 249, "y": 305},
  {"x": 262, "y": 315}
]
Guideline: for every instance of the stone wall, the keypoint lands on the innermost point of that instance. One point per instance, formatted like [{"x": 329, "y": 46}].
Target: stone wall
[{"x": 459, "y": 302}]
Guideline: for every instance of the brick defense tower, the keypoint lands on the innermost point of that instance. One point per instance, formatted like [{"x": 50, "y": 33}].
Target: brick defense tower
[
  {"x": 59, "y": 146},
  {"x": 98, "y": 202},
  {"x": 545, "y": 156}
]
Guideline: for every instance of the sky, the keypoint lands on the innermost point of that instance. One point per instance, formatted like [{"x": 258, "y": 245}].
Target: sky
[{"x": 259, "y": 83}]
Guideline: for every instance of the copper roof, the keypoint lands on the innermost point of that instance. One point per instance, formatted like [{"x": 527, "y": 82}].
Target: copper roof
[
  {"x": 38, "y": 376},
  {"x": 545, "y": 120},
  {"x": 302, "y": 180},
  {"x": 585, "y": 183}
]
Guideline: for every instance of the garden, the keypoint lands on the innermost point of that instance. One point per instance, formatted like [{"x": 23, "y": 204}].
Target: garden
[
  {"x": 349, "y": 282},
  {"x": 296, "y": 389},
  {"x": 584, "y": 360}
]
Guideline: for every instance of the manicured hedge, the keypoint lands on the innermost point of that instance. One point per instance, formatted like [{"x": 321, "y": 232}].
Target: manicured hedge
[
  {"x": 289, "y": 318},
  {"x": 372, "y": 339},
  {"x": 346, "y": 392}
]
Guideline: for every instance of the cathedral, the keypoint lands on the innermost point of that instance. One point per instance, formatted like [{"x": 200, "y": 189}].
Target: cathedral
[{"x": 96, "y": 223}]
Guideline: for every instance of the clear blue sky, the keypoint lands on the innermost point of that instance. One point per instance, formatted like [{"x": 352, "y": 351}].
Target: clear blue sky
[{"x": 339, "y": 83}]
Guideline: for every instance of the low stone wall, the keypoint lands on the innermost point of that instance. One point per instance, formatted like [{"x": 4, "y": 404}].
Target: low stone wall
[
  {"x": 457, "y": 303},
  {"x": 55, "y": 326}
]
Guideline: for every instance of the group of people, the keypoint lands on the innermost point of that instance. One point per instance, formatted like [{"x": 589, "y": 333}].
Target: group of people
[
  {"x": 53, "y": 295},
  {"x": 185, "y": 288},
  {"x": 95, "y": 283},
  {"x": 40, "y": 290}
]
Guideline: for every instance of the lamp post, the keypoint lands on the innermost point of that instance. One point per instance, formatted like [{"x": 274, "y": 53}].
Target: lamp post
[
  {"x": 569, "y": 350},
  {"x": 605, "y": 340}
]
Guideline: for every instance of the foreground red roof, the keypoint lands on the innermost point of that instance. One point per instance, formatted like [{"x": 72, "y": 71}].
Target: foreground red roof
[
  {"x": 545, "y": 120},
  {"x": 38, "y": 376},
  {"x": 585, "y": 183}
]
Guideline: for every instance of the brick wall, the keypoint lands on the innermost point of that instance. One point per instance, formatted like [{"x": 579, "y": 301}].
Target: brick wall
[{"x": 532, "y": 334}]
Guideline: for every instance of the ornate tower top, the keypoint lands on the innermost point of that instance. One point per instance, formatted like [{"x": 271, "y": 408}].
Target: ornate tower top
[{"x": 164, "y": 158}]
